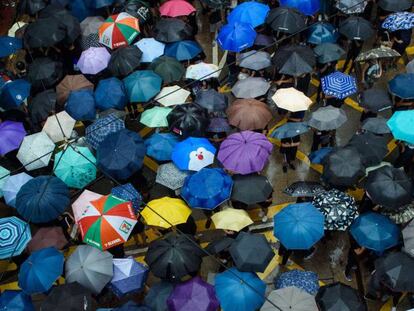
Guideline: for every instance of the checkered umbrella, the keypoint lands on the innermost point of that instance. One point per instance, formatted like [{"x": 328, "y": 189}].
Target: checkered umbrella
[
  {"x": 170, "y": 176},
  {"x": 96, "y": 133},
  {"x": 339, "y": 85}
]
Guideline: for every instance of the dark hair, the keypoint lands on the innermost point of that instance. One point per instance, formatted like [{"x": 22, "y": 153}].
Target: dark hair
[{"x": 21, "y": 66}]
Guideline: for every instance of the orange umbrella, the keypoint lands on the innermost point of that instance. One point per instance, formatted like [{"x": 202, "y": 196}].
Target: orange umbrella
[
  {"x": 249, "y": 114},
  {"x": 71, "y": 83}
]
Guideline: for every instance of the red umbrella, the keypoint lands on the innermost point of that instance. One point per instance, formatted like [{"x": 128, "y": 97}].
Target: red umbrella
[{"x": 47, "y": 237}]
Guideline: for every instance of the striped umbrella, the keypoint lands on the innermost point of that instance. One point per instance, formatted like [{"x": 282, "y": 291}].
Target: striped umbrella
[
  {"x": 118, "y": 30},
  {"x": 14, "y": 236},
  {"x": 339, "y": 85}
]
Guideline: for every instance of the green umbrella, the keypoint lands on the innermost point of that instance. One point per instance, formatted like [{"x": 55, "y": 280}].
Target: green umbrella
[
  {"x": 168, "y": 68},
  {"x": 75, "y": 166},
  {"x": 155, "y": 117},
  {"x": 4, "y": 174}
]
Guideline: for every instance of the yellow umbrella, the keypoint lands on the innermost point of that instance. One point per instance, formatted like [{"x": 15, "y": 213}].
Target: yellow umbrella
[
  {"x": 231, "y": 219},
  {"x": 165, "y": 212}
]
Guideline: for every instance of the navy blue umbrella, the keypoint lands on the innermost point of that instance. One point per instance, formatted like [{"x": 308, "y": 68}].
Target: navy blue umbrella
[
  {"x": 121, "y": 154},
  {"x": 15, "y": 300},
  {"x": 42, "y": 199},
  {"x": 402, "y": 85},
  {"x": 81, "y": 105},
  {"x": 183, "y": 50},
  {"x": 14, "y": 93},
  {"x": 110, "y": 93}
]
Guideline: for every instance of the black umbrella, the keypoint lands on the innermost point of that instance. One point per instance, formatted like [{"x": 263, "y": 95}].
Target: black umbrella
[
  {"x": 395, "y": 5},
  {"x": 294, "y": 60},
  {"x": 170, "y": 30},
  {"x": 251, "y": 189},
  {"x": 139, "y": 9},
  {"x": 376, "y": 100},
  {"x": 212, "y": 100},
  {"x": 69, "y": 297},
  {"x": 31, "y": 7},
  {"x": 219, "y": 245},
  {"x": 188, "y": 120},
  {"x": 44, "y": 72},
  {"x": 397, "y": 271},
  {"x": 41, "y": 106},
  {"x": 251, "y": 252},
  {"x": 389, "y": 187},
  {"x": 168, "y": 68},
  {"x": 217, "y": 4},
  {"x": 338, "y": 296},
  {"x": 376, "y": 125},
  {"x": 371, "y": 147},
  {"x": 356, "y": 28},
  {"x": 286, "y": 20},
  {"x": 173, "y": 256},
  {"x": 343, "y": 167},
  {"x": 328, "y": 52},
  {"x": 304, "y": 189},
  {"x": 44, "y": 32},
  {"x": 124, "y": 60}
]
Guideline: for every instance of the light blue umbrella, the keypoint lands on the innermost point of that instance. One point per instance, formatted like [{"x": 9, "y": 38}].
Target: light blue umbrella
[
  {"x": 236, "y": 37},
  {"x": 81, "y": 105},
  {"x": 183, "y": 50},
  {"x": 402, "y": 125},
  {"x": 12, "y": 186},
  {"x": 151, "y": 49},
  {"x": 319, "y": 33},
  {"x": 249, "y": 12},
  {"x": 142, "y": 85},
  {"x": 299, "y": 226},
  {"x": 160, "y": 146},
  {"x": 14, "y": 236},
  {"x": 38, "y": 273},
  {"x": 339, "y": 85},
  {"x": 4, "y": 174},
  {"x": 110, "y": 93},
  {"x": 307, "y": 7},
  {"x": 290, "y": 129},
  {"x": 127, "y": 192},
  {"x": 193, "y": 154},
  {"x": 15, "y": 300},
  {"x": 102, "y": 127},
  {"x": 402, "y": 85},
  {"x": 306, "y": 280}
]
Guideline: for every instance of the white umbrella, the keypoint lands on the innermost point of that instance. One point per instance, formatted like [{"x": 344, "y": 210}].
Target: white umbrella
[
  {"x": 82, "y": 202},
  {"x": 15, "y": 27},
  {"x": 35, "y": 151},
  {"x": 202, "y": 71},
  {"x": 172, "y": 95},
  {"x": 290, "y": 299},
  {"x": 59, "y": 126},
  {"x": 291, "y": 99}
]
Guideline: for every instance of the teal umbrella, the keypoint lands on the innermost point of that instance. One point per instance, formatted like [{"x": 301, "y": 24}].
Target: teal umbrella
[
  {"x": 155, "y": 117},
  {"x": 142, "y": 85},
  {"x": 4, "y": 174},
  {"x": 75, "y": 166}
]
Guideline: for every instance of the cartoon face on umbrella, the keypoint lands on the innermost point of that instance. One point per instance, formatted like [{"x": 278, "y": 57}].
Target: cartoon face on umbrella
[{"x": 200, "y": 158}]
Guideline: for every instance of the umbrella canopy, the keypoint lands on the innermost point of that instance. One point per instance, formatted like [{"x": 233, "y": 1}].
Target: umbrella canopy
[
  {"x": 142, "y": 85},
  {"x": 400, "y": 125},
  {"x": 71, "y": 83},
  {"x": 397, "y": 269},
  {"x": 251, "y": 252},
  {"x": 395, "y": 6},
  {"x": 398, "y": 21},
  {"x": 251, "y": 189},
  {"x": 290, "y": 298},
  {"x": 250, "y": 12},
  {"x": 170, "y": 176},
  {"x": 339, "y": 209},
  {"x": 43, "y": 33},
  {"x": 11, "y": 135},
  {"x": 81, "y": 105},
  {"x": 291, "y": 99},
  {"x": 59, "y": 126},
  {"x": 80, "y": 204},
  {"x": 173, "y": 256},
  {"x": 249, "y": 114},
  {"x": 307, "y": 281},
  {"x": 47, "y": 237},
  {"x": 150, "y": 48},
  {"x": 250, "y": 87},
  {"x": 372, "y": 148},
  {"x": 236, "y": 37},
  {"x": 327, "y": 118},
  {"x": 351, "y": 6},
  {"x": 14, "y": 93},
  {"x": 207, "y": 189},
  {"x": 168, "y": 68},
  {"x": 307, "y": 7},
  {"x": 377, "y": 53},
  {"x": 294, "y": 60},
  {"x": 110, "y": 94},
  {"x": 166, "y": 212},
  {"x": 408, "y": 235},
  {"x": 38, "y": 273},
  {"x": 172, "y": 95},
  {"x": 410, "y": 67},
  {"x": 255, "y": 60},
  {"x": 160, "y": 146},
  {"x": 321, "y": 32},
  {"x": 89, "y": 267},
  {"x": 140, "y": 9},
  {"x": 97, "y": 132},
  {"x": 202, "y": 71},
  {"x": 129, "y": 276},
  {"x": 376, "y": 126},
  {"x": 231, "y": 219},
  {"x": 219, "y": 245},
  {"x": 218, "y": 125},
  {"x": 16, "y": 300},
  {"x": 339, "y": 85},
  {"x": 9, "y": 45},
  {"x": 12, "y": 186},
  {"x": 127, "y": 192},
  {"x": 194, "y": 294},
  {"x": 170, "y": 30},
  {"x": 338, "y": 296},
  {"x": 124, "y": 60},
  {"x": 239, "y": 291},
  {"x": 35, "y": 151},
  {"x": 375, "y": 100},
  {"x": 42, "y": 199},
  {"x": 157, "y": 296},
  {"x": 175, "y": 8},
  {"x": 91, "y": 25},
  {"x": 41, "y": 106},
  {"x": 286, "y": 20},
  {"x": 290, "y": 129},
  {"x": 356, "y": 28},
  {"x": 375, "y": 231},
  {"x": 4, "y": 174},
  {"x": 31, "y": 6},
  {"x": 328, "y": 52},
  {"x": 14, "y": 236},
  {"x": 183, "y": 50},
  {"x": 118, "y": 30},
  {"x": 401, "y": 84},
  {"x": 304, "y": 189},
  {"x": 212, "y": 100},
  {"x": 299, "y": 226},
  {"x": 16, "y": 30},
  {"x": 155, "y": 117},
  {"x": 93, "y": 60},
  {"x": 245, "y": 152},
  {"x": 188, "y": 120}
]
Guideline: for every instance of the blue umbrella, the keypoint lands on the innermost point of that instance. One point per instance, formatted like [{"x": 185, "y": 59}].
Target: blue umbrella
[
  {"x": 14, "y": 93},
  {"x": 14, "y": 236},
  {"x": 160, "y": 146},
  {"x": 319, "y": 33},
  {"x": 183, "y": 50},
  {"x": 12, "y": 186},
  {"x": 129, "y": 276},
  {"x": 142, "y": 85},
  {"x": 399, "y": 21},
  {"x": 110, "y": 93},
  {"x": 127, "y": 192},
  {"x": 239, "y": 291},
  {"x": 207, "y": 189},
  {"x": 401, "y": 125},
  {"x": 151, "y": 49},
  {"x": 38, "y": 273},
  {"x": 305, "y": 280},
  {"x": 80, "y": 10},
  {"x": 81, "y": 105},
  {"x": 121, "y": 154},
  {"x": 97, "y": 132},
  {"x": 9, "y": 45},
  {"x": 132, "y": 306},
  {"x": 97, "y": 4},
  {"x": 236, "y": 37},
  {"x": 157, "y": 296},
  {"x": 250, "y": 12},
  {"x": 42, "y": 199},
  {"x": 307, "y": 7},
  {"x": 290, "y": 129},
  {"x": 339, "y": 85},
  {"x": 318, "y": 155},
  {"x": 402, "y": 85},
  {"x": 375, "y": 231},
  {"x": 15, "y": 300},
  {"x": 186, "y": 154},
  {"x": 299, "y": 226}
]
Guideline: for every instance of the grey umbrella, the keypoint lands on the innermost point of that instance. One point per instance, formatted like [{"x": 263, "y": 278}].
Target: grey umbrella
[
  {"x": 327, "y": 118},
  {"x": 381, "y": 52},
  {"x": 89, "y": 267},
  {"x": 44, "y": 72},
  {"x": 328, "y": 52},
  {"x": 351, "y": 6},
  {"x": 41, "y": 106},
  {"x": 397, "y": 271},
  {"x": 395, "y": 5},
  {"x": 250, "y": 87},
  {"x": 255, "y": 60},
  {"x": 376, "y": 100},
  {"x": 290, "y": 298},
  {"x": 408, "y": 235},
  {"x": 91, "y": 25},
  {"x": 251, "y": 189},
  {"x": 294, "y": 60},
  {"x": 212, "y": 100},
  {"x": 371, "y": 147},
  {"x": 376, "y": 125},
  {"x": 170, "y": 176},
  {"x": 286, "y": 20}
]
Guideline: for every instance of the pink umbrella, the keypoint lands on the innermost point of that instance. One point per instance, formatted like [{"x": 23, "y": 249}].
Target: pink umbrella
[
  {"x": 79, "y": 206},
  {"x": 47, "y": 237},
  {"x": 245, "y": 152},
  {"x": 93, "y": 60},
  {"x": 174, "y": 8}
]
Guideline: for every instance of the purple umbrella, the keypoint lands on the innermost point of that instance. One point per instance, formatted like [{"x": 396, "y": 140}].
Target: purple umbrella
[
  {"x": 93, "y": 60},
  {"x": 194, "y": 294},
  {"x": 245, "y": 152},
  {"x": 11, "y": 135},
  {"x": 129, "y": 276}
]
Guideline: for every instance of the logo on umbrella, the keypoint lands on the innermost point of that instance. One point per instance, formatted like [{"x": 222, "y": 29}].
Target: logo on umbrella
[{"x": 125, "y": 227}]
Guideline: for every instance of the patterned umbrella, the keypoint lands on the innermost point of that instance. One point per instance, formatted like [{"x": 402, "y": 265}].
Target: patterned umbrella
[
  {"x": 118, "y": 30},
  {"x": 59, "y": 126},
  {"x": 82, "y": 202},
  {"x": 398, "y": 21},
  {"x": 193, "y": 154},
  {"x": 14, "y": 236},
  {"x": 339, "y": 85},
  {"x": 127, "y": 192},
  {"x": 11, "y": 135},
  {"x": 97, "y": 132},
  {"x": 304, "y": 189},
  {"x": 339, "y": 209},
  {"x": 171, "y": 176},
  {"x": 351, "y": 6},
  {"x": 381, "y": 52},
  {"x": 4, "y": 174},
  {"x": 129, "y": 276},
  {"x": 305, "y": 280}
]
